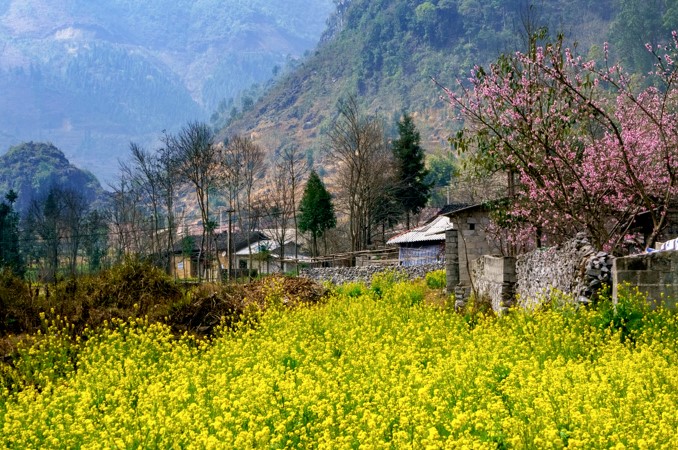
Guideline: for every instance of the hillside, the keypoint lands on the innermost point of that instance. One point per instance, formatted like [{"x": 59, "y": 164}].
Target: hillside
[
  {"x": 386, "y": 52},
  {"x": 32, "y": 168},
  {"x": 91, "y": 76}
]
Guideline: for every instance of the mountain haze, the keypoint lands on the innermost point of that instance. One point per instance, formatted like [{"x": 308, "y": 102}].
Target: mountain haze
[{"x": 92, "y": 75}]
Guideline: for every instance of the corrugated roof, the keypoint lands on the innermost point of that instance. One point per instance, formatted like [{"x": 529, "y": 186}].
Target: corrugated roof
[{"x": 431, "y": 232}]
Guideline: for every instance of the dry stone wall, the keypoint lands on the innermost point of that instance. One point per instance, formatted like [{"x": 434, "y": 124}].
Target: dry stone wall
[
  {"x": 341, "y": 275},
  {"x": 575, "y": 268}
]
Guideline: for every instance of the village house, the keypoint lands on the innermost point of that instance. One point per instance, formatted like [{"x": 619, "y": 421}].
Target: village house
[
  {"x": 256, "y": 253},
  {"x": 187, "y": 251}
]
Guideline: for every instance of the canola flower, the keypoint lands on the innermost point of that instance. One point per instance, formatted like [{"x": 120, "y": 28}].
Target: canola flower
[{"x": 370, "y": 368}]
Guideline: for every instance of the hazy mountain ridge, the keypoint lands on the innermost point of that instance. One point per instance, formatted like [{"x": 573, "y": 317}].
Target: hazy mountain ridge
[{"x": 91, "y": 76}]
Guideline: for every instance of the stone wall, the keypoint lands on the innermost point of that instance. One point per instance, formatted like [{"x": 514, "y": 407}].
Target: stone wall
[
  {"x": 574, "y": 268},
  {"x": 341, "y": 275},
  {"x": 472, "y": 241},
  {"x": 655, "y": 274},
  {"x": 494, "y": 277}
]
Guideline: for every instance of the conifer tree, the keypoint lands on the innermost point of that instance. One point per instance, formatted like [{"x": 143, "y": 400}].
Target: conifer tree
[
  {"x": 10, "y": 256},
  {"x": 412, "y": 190},
  {"x": 316, "y": 210}
]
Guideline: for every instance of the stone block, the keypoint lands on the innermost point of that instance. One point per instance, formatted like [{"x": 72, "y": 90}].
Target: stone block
[
  {"x": 637, "y": 263},
  {"x": 647, "y": 277},
  {"x": 620, "y": 264},
  {"x": 626, "y": 276},
  {"x": 659, "y": 261}
]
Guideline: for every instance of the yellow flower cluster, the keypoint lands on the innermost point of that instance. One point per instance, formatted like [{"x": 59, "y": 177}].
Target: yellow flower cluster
[{"x": 366, "y": 370}]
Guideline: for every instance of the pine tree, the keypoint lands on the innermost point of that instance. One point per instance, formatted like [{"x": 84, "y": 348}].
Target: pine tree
[
  {"x": 10, "y": 256},
  {"x": 412, "y": 189},
  {"x": 316, "y": 210}
]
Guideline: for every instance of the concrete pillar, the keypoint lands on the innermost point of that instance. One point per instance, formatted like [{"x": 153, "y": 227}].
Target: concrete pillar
[{"x": 452, "y": 259}]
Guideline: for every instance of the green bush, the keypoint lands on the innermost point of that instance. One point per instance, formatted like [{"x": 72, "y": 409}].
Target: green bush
[
  {"x": 383, "y": 281},
  {"x": 408, "y": 293},
  {"x": 627, "y": 315},
  {"x": 436, "y": 279},
  {"x": 16, "y": 310},
  {"x": 352, "y": 289},
  {"x": 136, "y": 285}
]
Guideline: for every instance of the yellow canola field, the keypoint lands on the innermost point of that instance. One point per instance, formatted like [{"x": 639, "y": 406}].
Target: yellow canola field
[{"x": 362, "y": 371}]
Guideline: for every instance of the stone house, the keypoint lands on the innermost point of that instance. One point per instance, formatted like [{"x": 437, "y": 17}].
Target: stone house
[{"x": 465, "y": 242}]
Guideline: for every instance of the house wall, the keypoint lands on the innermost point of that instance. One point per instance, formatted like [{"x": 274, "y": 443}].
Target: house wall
[
  {"x": 183, "y": 267},
  {"x": 472, "y": 241},
  {"x": 452, "y": 259},
  {"x": 416, "y": 254},
  {"x": 655, "y": 274},
  {"x": 494, "y": 278}
]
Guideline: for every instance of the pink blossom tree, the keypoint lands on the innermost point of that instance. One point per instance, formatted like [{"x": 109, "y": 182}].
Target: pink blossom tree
[{"x": 587, "y": 148}]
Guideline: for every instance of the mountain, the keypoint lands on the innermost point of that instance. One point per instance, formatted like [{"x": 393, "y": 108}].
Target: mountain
[
  {"x": 92, "y": 75},
  {"x": 32, "y": 169},
  {"x": 386, "y": 51}
]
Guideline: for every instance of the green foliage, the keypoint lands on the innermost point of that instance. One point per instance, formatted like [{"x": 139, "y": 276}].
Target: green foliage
[
  {"x": 407, "y": 293},
  {"x": 135, "y": 284},
  {"x": 95, "y": 239},
  {"x": 352, "y": 289},
  {"x": 475, "y": 310},
  {"x": 412, "y": 189},
  {"x": 436, "y": 279},
  {"x": 441, "y": 169},
  {"x": 10, "y": 256},
  {"x": 17, "y": 313},
  {"x": 31, "y": 169},
  {"x": 626, "y": 316},
  {"x": 639, "y": 23},
  {"x": 383, "y": 281},
  {"x": 316, "y": 211},
  {"x": 44, "y": 358}
]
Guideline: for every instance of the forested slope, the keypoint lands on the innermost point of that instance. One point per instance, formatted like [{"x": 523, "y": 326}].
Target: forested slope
[{"x": 386, "y": 52}]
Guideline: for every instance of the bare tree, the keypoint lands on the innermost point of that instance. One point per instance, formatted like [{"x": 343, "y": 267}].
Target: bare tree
[
  {"x": 156, "y": 177},
  {"x": 245, "y": 162},
  {"x": 128, "y": 215},
  {"x": 278, "y": 208},
  {"x": 168, "y": 182},
  {"x": 358, "y": 145},
  {"x": 197, "y": 162},
  {"x": 296, "y": 168},
  {"x": 118, "y": 213},
  {"x": 56, "y": 224},
  {"x": 75, "y": 208},
  {"x": 146, "y": 172}
]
